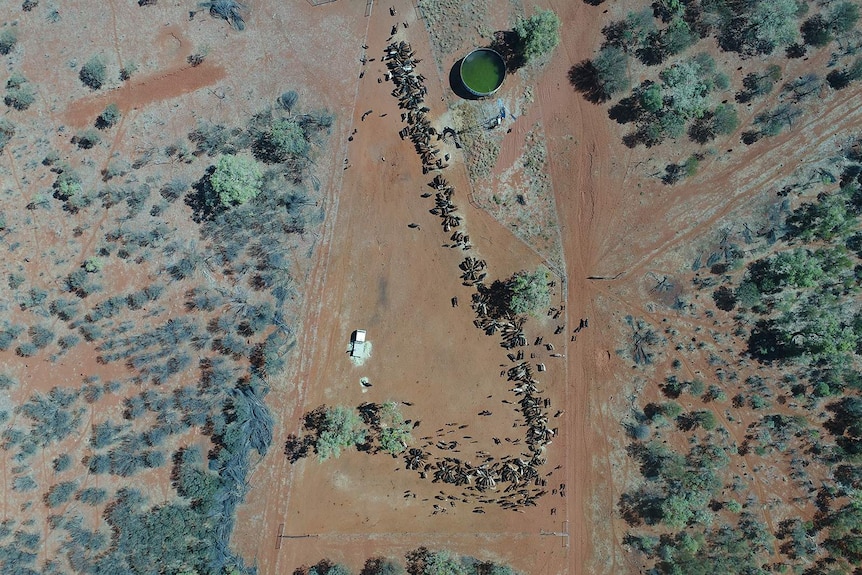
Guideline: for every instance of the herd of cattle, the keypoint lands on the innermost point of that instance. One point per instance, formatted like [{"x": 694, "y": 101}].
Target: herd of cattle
[
  {"x": 521, "y": 474},
  {"x": 411, "y": 92}
]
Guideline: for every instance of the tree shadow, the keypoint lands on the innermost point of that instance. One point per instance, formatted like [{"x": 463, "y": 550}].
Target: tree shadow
[
  {"x": 457, "y": 85},
  {"x": 507, "y": 44},
  {"x": 625, "y": 111},
  {"x": 202, "y": 199},
  {"x": 585, "y": 79}
]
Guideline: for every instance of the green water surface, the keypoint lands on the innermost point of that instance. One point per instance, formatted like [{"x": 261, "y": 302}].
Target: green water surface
[{"x": 482, "y": 71}]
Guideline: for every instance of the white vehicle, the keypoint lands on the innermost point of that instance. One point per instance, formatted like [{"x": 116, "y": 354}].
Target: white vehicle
[{"x": 357, "y": 341}]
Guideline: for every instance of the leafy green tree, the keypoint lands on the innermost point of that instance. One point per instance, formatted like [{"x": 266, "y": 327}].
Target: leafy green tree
[
  {"x": 676, "y": 512},
  {"x": 825, "y": 219},
  {"x": 194, "y": 482},
  {"x": 771, "y": 24},
  {"x": 686, "y": 88},
  {"x": 537, "y": 35},
  {"x": 341, "y": 427},
  {"x": 844, "y": 530},
  {"x": 288, "y": 138},
  {"x": 92, "y": 73},
  {"x": 529, "y": 291},
  {"x": 677, "y": 36},
  {"x": 382, "y": 566},
  {"x": 704, "y": 418},
  {"x": 816, "y": 31},
  {"x": 611, "y": 67},
  {"x": 670, "y": 409},
  {"x": 443, "y": 562},
  {"x": 725, "y": 119},
  {"x": 236, "y": 180},
  {"x": 394, "y": 439},
  {"x": 843, "y": 16},
  {"x": 652, "y": 99}
]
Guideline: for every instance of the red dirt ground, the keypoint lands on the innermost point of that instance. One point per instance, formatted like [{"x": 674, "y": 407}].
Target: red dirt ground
[
  {"x": 370, "y": 271},
  {"x": 377, "y": 274}
]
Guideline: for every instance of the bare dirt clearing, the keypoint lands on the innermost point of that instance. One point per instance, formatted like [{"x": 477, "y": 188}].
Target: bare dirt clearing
[{"x": 397, "y": 283}]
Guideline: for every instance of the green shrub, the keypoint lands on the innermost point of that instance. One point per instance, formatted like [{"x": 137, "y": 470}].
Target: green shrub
[
  {"x": 537, "y": 35},
  {"x": 127, "y": 70},
  {"x": 24, "y": 483},
  {"x": 93, "y": 264},
  {"x": 529, "y": 291},
  {"x": 41, "y": 336},
  {"x": 7, "y": 382},
  {"x": 236, "y": 180},
  {"x": 60, "y": 493},
  {"x": 92, "y": 73},
  {"x": 288, "y": 137},
  {"x": 19, "y": 92},
  {"x": 109, "y": 117},
  {"x": 62, "y": 463},
  {"x": 86, "y": 139},
  {"x": 8, "y": 39},
  {"x": 7, "y": 130},
  {"x": 92, "y": 496},
  {"x": 341, "y": 427}
]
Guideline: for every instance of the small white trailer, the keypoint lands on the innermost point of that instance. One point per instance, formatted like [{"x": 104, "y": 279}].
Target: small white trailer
[{"x": 357, "y": 341}]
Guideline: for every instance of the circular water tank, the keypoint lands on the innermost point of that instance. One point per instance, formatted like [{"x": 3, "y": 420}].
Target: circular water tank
[{"x": 482, "y": 71}]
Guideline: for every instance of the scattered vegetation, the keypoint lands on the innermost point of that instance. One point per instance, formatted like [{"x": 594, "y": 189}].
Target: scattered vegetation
[
  {"x": 421, "y": 561},
  {"x": 192, "y": 397},
  {"x": 794, "y": 306}
]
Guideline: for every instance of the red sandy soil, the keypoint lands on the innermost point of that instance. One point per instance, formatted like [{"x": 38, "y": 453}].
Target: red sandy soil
[
  {"x": 370, "y": 271},
  {"x": 377, "y": 274}
]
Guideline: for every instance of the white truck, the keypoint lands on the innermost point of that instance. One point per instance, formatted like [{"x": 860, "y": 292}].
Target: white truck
[{"x": 357, "y": 343}]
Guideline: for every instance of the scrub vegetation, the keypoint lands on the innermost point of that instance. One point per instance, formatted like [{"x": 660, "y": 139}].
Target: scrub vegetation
[
  {"x": 191, "y": 384},
  {"x": 782, "y": 399},
  {"x": 687, "y": 95}
]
